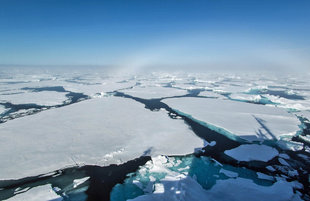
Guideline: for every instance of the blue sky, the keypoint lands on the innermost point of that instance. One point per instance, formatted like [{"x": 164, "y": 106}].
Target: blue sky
[{"x": 149, "y": 33}]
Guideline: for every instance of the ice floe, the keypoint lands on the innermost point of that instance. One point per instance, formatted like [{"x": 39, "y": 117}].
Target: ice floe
[
  {"x": 154, "y": 92},
  {"x": 39, "y": 193},
  {"x": 2, "y": 109},
  {"x": 251, "y": 152},
  {"x": 105, "y": 85},
  {"x": 89, "y": 132},
  {"x": 46, "y": 98},
  {"x": 245, "y": 120}
]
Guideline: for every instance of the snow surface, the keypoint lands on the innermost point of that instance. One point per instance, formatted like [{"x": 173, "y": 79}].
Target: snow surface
[
  {"x": 248, "y": 121},
  {"x": 290, "y": 104},
  {"x": 246, "y": 97},
  {"x": 250, "y": 152},
  {"x": 46, "y": 98},
  {"x": 97, "y": 131},
  {"x": 153, "y": 92},
  {"x": 105, "y": 85},
  {"x": 40, "y": 193},
  {"x": 211, "y": 94}
]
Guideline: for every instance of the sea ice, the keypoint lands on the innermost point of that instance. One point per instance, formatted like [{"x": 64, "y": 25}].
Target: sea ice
[
  {"x": 46, "y": 98},
  {"x": 245, "y": 189},
  {"x": 248, "y": 121},
  {"x": 250, "y": 152},
  {"x": 153, "y": 92},
  {"x": 39, "y": 193},
  {"x": 183, "y": 187},
  {"x": 89, "y": 132},
  {"x": 2, "y": 109},
  {"x": 105, "y": 85},
  {"x": 290, "y": 104},
  {"x": 176, "y": 188}
]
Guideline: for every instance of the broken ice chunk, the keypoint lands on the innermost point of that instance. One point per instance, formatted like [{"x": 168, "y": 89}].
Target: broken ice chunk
[{"x": 251, "y": 152}]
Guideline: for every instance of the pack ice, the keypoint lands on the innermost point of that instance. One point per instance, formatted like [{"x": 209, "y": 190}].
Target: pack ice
[
  {"x": 98, "y": 131},
  {"x": 153, "y": 92},
  {"x": 247, "y": 121}
]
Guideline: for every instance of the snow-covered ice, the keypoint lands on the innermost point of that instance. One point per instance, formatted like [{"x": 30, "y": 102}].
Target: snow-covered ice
[
  {"x": 2, "y": 109},
  {"x": 211, "y": 94},
  {"x": 105, "y": 85},
  {"x": 104, "y": 129},
  {"x": 46, "y": 98},
  {"x": 250, "y": 152},
  {"x": 89, "y": 132},
  {"x": 39, "y": 193},
  {"x": 248, "y": 121},
  {"x": 153, "y": 92}
]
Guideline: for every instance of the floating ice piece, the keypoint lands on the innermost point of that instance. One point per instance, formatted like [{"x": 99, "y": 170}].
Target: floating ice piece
[
  {"x": 89, "y": 132},
  {"x": 250, "y": 98},
  {"x": 229, "y": 173},
  {"x": 2, "y": 109},
  {"x": 211, "y": 94},
  {"x": 248, "y": 121},
  {"x": 39, "y": 193},
  {"x": 46, "y": 98},
  {"x": 283, "y": 162},
  {"x": 264, "y": 176},
  {"x": 77, "y": 182},
  {"x": 285, "y": 156},
  {"x": 250, "y": 152},
  {"x": 245, "y": 189},
  {"x": 176, "y": 188},
  {"x": 153, "y": 92},
  {"x": 186, "y": 188}
]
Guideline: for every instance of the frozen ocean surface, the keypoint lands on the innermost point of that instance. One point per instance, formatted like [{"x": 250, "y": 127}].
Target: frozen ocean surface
[
  {"x": 45, "y": 98},
  {"x": 37, "y": 194},
  {"x": 153, "y": 92},
  {"x": 252, "y": 152},
  {"x": 100, "y": 131},
  {"x": 77, "y": 136},
  {"x": 247, "y": 121}
]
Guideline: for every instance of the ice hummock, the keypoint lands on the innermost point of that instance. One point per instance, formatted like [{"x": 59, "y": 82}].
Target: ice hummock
[
  {"x": 247, "y": 121},
  {"x": 97, "y": 131}
]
